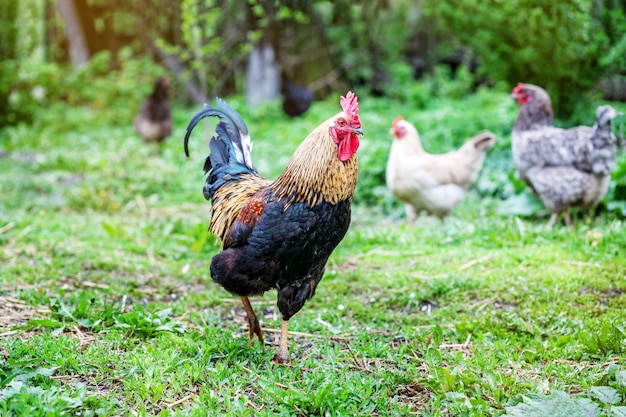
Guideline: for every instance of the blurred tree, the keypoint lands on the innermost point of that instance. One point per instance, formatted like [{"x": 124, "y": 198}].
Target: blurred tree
[
  {"x": 320, "y": 45},
  {"x": 8, "y": 29},
  {"x": 8, "y": 53},
  {"x": 212, "y": 45},
  {"x": 298, "y": 33},
  {"x": 219, "y": 35},
  {"x": 21, "y": 45},
  {"x": 80, "y": 30},
  {"x": 89, "y": 26}
]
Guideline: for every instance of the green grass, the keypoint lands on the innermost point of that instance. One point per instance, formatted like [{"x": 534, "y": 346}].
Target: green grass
[{"x": 107, "y": 307}]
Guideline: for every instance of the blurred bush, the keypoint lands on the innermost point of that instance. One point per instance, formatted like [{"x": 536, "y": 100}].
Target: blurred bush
[
  {"x": 564, "y": 46},
  {"x": 31, "y": 86}
]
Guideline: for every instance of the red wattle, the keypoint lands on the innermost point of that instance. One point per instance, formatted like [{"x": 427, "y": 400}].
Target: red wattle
[{"x": 348, "y": 147}]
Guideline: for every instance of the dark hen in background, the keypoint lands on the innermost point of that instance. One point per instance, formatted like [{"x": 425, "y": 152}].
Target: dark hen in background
[
  {"x": 154, "y": 121},
  {"x": 296, "y": 98}
]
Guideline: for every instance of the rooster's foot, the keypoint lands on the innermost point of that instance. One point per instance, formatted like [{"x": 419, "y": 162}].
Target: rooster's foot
[{"x": 281, "y": 360}]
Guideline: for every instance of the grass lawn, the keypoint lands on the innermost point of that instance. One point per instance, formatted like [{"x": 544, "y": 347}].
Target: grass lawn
[{"x": 107, "y": 307}]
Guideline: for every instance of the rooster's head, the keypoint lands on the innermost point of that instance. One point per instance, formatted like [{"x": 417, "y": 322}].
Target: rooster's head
[{"x": 346, "y": 127}]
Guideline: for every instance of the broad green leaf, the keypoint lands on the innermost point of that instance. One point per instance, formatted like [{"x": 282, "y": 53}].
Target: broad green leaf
[
  {"x": 164, "y": 314},
  {"x": 437, "y": 335},
  {"x": 524, "y": 204},
  {"x": 448, "y": 379},
  {"x": 49, "y": 323},
  {"x": 41, "y": 371},
  {"x": 433, "y": 356},
  {"x": 555, "y": 404},
  {"x": 606, "y": 395},
  {"x": 112, "y": 230},
  {"x": 11, "y": 389},
  {"x": 618, "y": 411}
]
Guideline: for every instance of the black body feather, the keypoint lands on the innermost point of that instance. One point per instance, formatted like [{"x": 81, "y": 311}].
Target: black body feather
[{"x": 287, "y": 250}]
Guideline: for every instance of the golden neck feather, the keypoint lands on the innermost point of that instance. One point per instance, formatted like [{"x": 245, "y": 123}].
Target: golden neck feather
[{"x": 315, "y": 174}]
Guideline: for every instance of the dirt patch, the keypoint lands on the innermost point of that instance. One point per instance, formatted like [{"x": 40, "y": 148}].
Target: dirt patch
[
  {"x": 478, "y": 304},
  {"x": 415, "y": 395},
  {"x": 15, "y": 312},
  {"x": 604, "y": 294},
  {"x": 610, "y": 293}
]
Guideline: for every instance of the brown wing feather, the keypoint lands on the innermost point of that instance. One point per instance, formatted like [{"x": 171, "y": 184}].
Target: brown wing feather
[{"x": 231, "y": 198}]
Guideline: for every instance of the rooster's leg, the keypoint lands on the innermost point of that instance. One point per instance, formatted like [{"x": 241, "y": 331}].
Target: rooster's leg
[
  {"x": 253, "y": 323},
  {"x": 282, "y": 356}
]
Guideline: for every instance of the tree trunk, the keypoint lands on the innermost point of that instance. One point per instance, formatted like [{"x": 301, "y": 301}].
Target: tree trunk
[
  {"x": 262, "y": 75},
  {"x": 79, "y": 30},
  {"x": 170, "y": 61}
]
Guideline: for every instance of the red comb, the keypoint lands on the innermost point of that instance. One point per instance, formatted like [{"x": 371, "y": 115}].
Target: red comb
[
  {"x": 518, "y": 87},
  {"x": 396, "y": 120},
  {"x": 350, "y": 107}
]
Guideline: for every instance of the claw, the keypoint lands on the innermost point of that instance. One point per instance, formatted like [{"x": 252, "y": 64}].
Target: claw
[{"x": 281, "y": 360}]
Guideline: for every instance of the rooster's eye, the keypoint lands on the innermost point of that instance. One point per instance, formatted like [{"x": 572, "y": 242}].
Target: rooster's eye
[{"x": 341, "y": 122}]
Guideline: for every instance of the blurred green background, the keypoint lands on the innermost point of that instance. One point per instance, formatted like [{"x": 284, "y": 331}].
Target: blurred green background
[
  {"x": 446, "y": 66},
  {"x": 58, "y": 50}
]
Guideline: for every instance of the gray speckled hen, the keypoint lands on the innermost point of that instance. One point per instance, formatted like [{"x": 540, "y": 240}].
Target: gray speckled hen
[{"x": 565, "y": 167}]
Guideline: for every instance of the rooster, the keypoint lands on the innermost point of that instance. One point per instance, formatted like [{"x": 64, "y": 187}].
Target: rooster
[
  {"x": 565, "y": 167},
  {"x": 154, "y": 121},
  {"x": 278, "y": 234},
  {"x": 435, "y": 183}
]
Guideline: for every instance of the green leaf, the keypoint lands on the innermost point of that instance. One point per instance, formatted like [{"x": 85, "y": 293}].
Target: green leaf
[
  {"x": 448, "y": 379},
  {"x": 618, "y": 411},
  {"x": 617, "y": 205},
  {"x": 524, "y": 204},
  {"x": 555, "y": 404},
  {"x": 113, "y": 230},
  {"x": 164, "y": 314},
  {"x": 48, "y": 323},
  {"x": 437, "y": 335},
  {"x": 164, "y": 328},
  {"x": 14, "y": 387},
  {"x": 41, "y": 371},
  {"x": 606, "y": 395},
  {"x": 433, "y": 356}
]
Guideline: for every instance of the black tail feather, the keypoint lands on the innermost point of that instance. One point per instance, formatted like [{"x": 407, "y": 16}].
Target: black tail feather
[
  {"x": 230, "y": 123},
  {"x": 229, "y": 149},
  {"x": 206, "y": 112}
]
